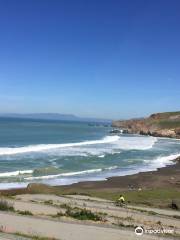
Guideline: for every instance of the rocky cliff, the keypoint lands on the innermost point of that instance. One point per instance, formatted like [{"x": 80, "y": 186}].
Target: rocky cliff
[{"x": 160, "y": 124}]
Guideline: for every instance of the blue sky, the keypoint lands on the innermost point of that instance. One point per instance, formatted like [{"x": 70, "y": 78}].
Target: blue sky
[{"x": 110, "y": 59}]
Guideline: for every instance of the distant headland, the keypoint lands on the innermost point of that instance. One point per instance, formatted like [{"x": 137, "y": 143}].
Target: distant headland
[
  {"x": 165, "y": 124},
  {"x": 53, "y": 116}
]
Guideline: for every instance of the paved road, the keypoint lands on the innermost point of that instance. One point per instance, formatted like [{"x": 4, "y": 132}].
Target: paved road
[{"x": 64, "y": 231}]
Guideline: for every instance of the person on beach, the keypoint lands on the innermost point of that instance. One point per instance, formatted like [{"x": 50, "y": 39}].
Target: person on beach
[{"x": 121, "y": 199}]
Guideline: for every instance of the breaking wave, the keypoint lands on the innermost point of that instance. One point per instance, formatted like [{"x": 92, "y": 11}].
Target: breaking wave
[
  {"x": 15, "y": 173},
  {"x": 136, "y": 143},
  {"x": 44, "y": 147},
  {"x": 163, "y": 161},
  {"x": 68, "y": 174},
  {"x": 94, "y": 147}
]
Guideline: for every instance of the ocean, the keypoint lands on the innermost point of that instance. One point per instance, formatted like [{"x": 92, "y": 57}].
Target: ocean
[{"x": 61, "y": 153}]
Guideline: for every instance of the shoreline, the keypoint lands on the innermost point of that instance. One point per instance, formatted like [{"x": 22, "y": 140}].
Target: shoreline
[
  {"x": 167, "y": 162},
  {"x": 168, "y": 175},
  {"x": 165, "y": 177}
]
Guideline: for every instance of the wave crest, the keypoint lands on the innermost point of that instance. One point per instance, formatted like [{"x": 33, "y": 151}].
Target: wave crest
[
  {"x": 68, "y": 174},
  {"x": 45, "y": 147},
  {"x": 15, "y": 173},
  {"x": 94, "y": 147}
]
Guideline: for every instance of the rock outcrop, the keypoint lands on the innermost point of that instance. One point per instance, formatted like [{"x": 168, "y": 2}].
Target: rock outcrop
[{"x": 160, "y": 124}]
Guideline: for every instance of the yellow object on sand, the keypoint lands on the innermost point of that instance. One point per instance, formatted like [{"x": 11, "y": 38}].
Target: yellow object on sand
[{"x": 121, "y": 199}]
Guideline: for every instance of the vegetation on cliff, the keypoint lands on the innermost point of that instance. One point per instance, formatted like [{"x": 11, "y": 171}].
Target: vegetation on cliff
[{"x": 165, "y": 124}]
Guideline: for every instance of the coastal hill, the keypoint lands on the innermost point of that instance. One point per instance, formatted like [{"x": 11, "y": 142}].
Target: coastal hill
[
  {"x": 165, "y": 124},
  {"x": 53, "y": 116}
]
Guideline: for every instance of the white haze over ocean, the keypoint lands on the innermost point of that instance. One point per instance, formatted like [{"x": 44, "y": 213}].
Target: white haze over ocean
[{"x": 63, "y": 153}]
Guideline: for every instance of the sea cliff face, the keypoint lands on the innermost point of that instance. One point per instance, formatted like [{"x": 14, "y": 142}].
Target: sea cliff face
[{"x": 160, "y": 124}]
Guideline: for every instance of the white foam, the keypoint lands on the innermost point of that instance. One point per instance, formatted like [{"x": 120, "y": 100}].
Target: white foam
[
  {"x": 15, "y": 173},
  {"x": 44, "y": 147},
  {"x": 162, "y": 161},
  {"x": 154, "y": 164},
  {"x": 136, "y": 143},
  {"x": 68, "y": 174},
  {"x": 170, "y": 139},
  {"x": 13, "y": 185},
  {"x": 111, "y": 168},
  {"x": 106, "y": 145}
]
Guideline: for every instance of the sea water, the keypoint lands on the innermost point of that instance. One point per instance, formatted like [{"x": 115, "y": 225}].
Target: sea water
[{"x": 59, "y": 152}]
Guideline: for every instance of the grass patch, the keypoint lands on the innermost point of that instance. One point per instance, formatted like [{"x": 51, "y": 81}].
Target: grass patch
[
  {"x": 154, "y": 197},
  {"x": 64, "y": 205},
  {"x": 5, "y": 206},
  {"x": 59, "y": 214},
  {"x": 176, "y": 216},
  {"x": 83, "y": 214},
  {"x": 121, "y": 224},
  {"x": 48, "y": 202},
  {"x": 158, "y": 197},
  {"x": 151, "y": 198},
  {"x": 80, "y": 214},
  {"x": 169, "y": 124},
  {"x": 151, "y": 213},
  {"x": 25, "y": 213}
]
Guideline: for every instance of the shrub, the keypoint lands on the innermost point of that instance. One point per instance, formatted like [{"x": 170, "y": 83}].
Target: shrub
[
  {"x": 5, "y": 206},
  {"x": 83, "y": 214},
  {"x": 176, "y": 216},
  {"x": 64, "y": 205},
  {"x": 25, "y": 213},
  {"x": 48, "y": 202}
]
